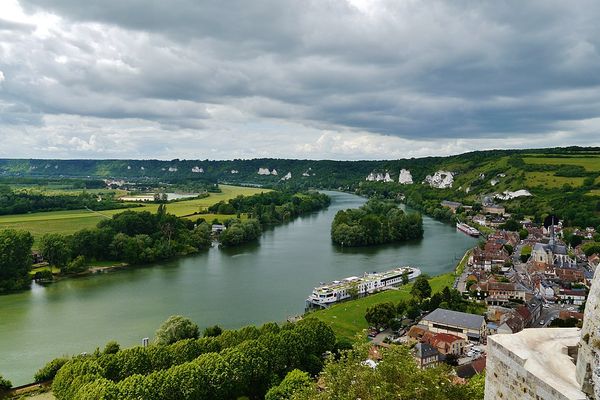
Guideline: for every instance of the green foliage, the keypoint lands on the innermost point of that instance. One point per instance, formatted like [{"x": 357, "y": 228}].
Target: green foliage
[
  {"x": 234, "y": 364},
  {"x": 295, "y": 382},
  {"x": 591, "y": 248},
  {"x": 5, "y": 384},
  {"x": 380, "y": 314},
  {"x": 176, "y": 328},
  {"x": 49, "y": 371},
  {"x": 78, "y": 264},
  {"x": 111, "y": 347},
  {"x": 15, "y": 260},
  {"x": 240, "y": 232},
  {"x": 511, "y": 225},
  {"x": 376, "y": 222},
  {"x": 396, "y": 377},
  {"x": 525, "y": 253},
  {"x": 523, "y": 234},
  {"x": 421, "y": 288},
  {"x": 212, "y": 331},
  {"x": 55, "y": 249}
]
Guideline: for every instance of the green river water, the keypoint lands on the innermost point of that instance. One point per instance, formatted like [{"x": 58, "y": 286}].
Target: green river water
[{"x": 252, "y": 284}]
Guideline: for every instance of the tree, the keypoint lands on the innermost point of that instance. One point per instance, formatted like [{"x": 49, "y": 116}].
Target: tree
[
  {"x": 15, "y": 260},
  {"x": 55, "y": 249},
  {"x": 212, "y": 331},
  {"x": 523, "y": 234},
  {"x": 5, "y": 384},
  {"x": 511, "y": 225},
  {"x": 421, "y": 288},
  {"x": 176, "y": 328},
  {"x": 111, "y": 347},
  {"x": 405, "y": 278},
  {"x": 295, "y": 382},
  {"x": 379, "y": 315}
]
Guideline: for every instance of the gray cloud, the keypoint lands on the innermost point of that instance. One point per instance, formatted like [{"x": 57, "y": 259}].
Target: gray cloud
[{"x": 411, "y": 71}]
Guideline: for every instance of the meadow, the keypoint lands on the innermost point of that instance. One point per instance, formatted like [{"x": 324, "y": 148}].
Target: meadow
[
  {"x": 347, "y": 319},
  {"x": 68, "y": 222},
  {"x": 590, "y": 163},
  {"x": 550, "y": 181}
]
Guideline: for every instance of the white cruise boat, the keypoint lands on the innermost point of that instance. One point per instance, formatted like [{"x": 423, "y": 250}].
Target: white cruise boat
[
  {"x": 464, "y": 228},
  {"x": 330, "y": 293}
]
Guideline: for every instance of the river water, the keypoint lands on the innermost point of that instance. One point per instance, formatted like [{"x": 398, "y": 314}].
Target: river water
[{"x": 251, "y": 284}]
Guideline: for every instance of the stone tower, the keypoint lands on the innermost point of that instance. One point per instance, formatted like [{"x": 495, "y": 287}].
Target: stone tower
[{"x": 588, "y": 358}]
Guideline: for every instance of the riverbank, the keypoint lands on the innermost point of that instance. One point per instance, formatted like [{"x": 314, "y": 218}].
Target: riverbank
[
  {"x": 347, "y": 319},
  {"x": 247, "y": 285}
]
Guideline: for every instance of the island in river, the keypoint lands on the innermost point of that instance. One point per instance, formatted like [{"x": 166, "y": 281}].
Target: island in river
[{"x": 249, "y": 284}]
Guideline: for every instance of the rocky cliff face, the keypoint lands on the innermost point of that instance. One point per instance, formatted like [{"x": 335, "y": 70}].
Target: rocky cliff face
[
  {"x": 379, "y": 177},
  {"x": 440, "y": 180},
  {"x": 405, "y": 177}
]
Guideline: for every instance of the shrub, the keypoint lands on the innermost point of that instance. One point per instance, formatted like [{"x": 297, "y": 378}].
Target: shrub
[
  {"x": 111, "y": 347},
  {"x": 49, "y": 371},
  {"x": 5, "y": 384},
  {"x": 176, "y": 328}
]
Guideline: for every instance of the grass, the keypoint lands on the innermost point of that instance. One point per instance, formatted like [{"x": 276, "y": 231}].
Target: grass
[
  {"x": 594, "y": 192},
  {"x": 590, "y": 163},
  {"x": 548, "y": 180},
  {"x": 68, "y": 222},
  {"x": 347, "y": 319}
]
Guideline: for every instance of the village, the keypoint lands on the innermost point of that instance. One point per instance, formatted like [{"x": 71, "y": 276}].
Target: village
[{"x": 525, "y": 275}]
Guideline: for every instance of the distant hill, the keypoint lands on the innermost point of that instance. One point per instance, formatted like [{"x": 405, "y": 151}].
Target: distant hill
[
  {"x": 523, "y": 168},
  {"x": 562, "y": 180}
]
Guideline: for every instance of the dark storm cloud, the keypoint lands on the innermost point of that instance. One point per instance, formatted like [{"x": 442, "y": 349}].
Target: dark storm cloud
[{"x": 415, "y": 70}]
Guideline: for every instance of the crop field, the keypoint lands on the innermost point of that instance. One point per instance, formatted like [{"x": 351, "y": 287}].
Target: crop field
[
  {"x": 347, "y": 319},
  {"x": 68, "y": 222},
  {"x": 591, "y": 163},
  {"x": 548, "y": 180}
]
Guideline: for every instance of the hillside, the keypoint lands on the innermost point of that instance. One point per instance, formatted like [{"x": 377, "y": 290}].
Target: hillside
[{"x": 561, "y": 180}]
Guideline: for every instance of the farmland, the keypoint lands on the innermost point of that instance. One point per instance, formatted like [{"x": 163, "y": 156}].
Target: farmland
[
  {"x": 550, "y": 181},
  {"x": 67, "y": 222},
  {"x": 590, "y": 163}
]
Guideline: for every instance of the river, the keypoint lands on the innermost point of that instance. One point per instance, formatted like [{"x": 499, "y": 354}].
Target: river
[{"x": 251, "y": 284}]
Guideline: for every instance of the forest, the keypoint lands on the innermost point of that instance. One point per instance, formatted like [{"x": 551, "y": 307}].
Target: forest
[{"x": 376, "y": 222}]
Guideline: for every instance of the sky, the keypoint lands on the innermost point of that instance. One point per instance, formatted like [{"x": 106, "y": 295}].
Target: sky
[{"x": 316, "y": 79}]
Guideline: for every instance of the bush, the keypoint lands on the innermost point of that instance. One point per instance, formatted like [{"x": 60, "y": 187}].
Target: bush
[
  {"x": 111, "y": 347},
  {"x": 5, "y": 384},
  {"x": 49, "y": 371},
  {"x": 176, "y": 328}
]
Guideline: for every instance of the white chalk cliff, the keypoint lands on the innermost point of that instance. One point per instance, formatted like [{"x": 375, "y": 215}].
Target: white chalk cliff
[
  {"x": 197, "y": 170},
  {"x": 405, "y": 177},
  {"x": 507, "y": 195},
  {"x": 264, "y": 171},
  {"x": 286, "y": 177},
  {"x": 440, "y": 180}
]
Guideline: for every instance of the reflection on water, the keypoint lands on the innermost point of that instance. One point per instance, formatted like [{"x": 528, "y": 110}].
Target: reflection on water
[{"x": 232, "y": 287}]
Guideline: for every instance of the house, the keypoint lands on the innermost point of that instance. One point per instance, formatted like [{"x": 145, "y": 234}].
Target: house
[
  {"x": 512, "y": 325},
  {"x": 467, "y": 371},
  {"x": 416, "y": 332},
  {"x": 218, "y": 228},
  {"x": 467, "y": 326},
  {"x": 572, "y": 296},
  {"x": 566, "y": 314},
  {"x": 494, "y": 209},
  {"x": 446, "y": 343},
  {"x": 499, "y": 293},
  {"x": 426, "y": 356},
  {"x": 452, "y": 205},
  {"x": 493, "y": 254},
  {"x": 593, "y": 261}
]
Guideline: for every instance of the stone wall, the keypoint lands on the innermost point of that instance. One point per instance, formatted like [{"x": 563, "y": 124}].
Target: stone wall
[
  {"x": 517, "y": 368},
  {"x": 588, "y": 365}
]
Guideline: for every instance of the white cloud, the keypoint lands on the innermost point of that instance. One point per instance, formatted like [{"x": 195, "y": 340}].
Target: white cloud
[{"x": 316, "y": 79}]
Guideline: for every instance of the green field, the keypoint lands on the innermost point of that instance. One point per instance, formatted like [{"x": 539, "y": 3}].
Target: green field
[
  {"x": 590, "y": 163},
  {"x": 68, "y": 222},
  {"x": 347, "y": 319},
  {"x": 548, "y": 180}
]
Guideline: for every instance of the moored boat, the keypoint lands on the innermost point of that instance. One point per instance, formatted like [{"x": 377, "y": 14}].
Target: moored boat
[{"x": 354, "y": 286}]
